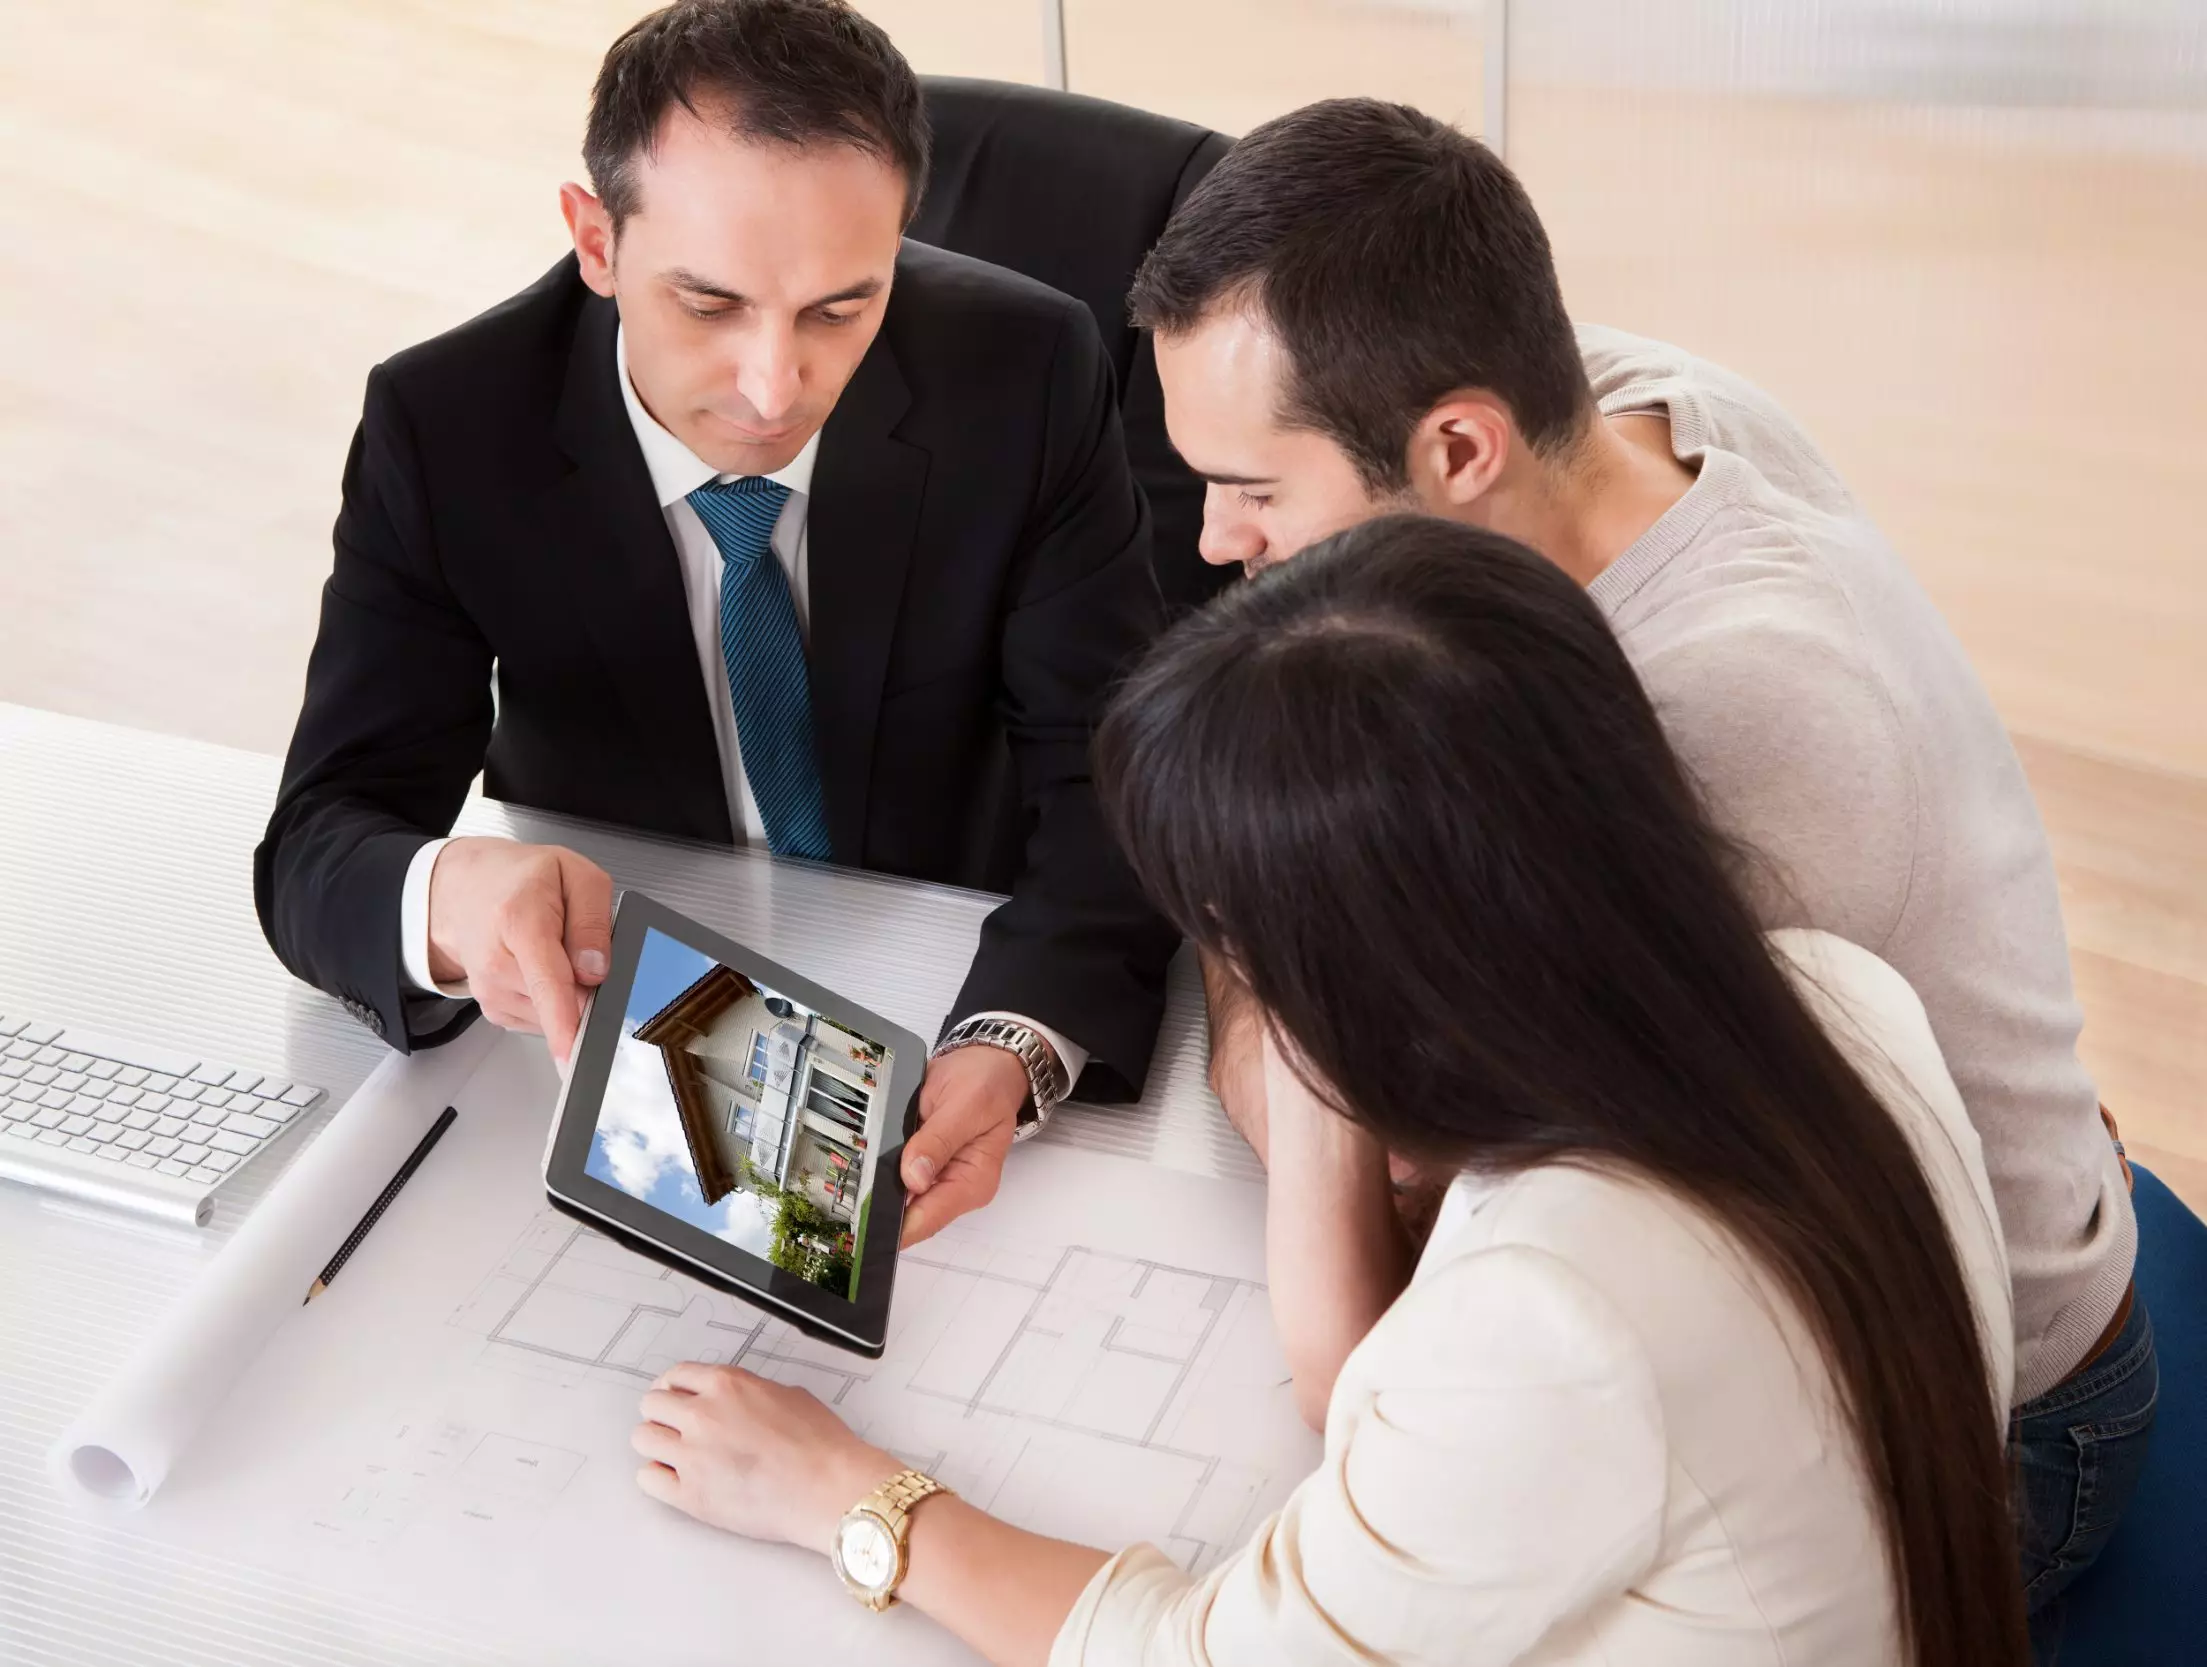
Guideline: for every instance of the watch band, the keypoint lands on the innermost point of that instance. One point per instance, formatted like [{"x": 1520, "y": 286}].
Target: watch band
[
  {"x": 901, "y": 1492},
  {"x": 1046, "y": 1079},
  {"x": 892, "y": 1505}
]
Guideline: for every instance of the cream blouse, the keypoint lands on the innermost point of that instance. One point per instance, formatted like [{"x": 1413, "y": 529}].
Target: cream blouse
[{"x": 1590, "y": 1431}]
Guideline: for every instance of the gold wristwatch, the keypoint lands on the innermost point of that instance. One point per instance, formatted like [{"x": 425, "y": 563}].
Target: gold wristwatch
[{"x": 870, "y": 1541}]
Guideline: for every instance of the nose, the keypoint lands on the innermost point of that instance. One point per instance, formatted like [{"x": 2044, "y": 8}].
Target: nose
[
  {"x": 769, "y": 376},
  {"x": 1230, "y": 536}
]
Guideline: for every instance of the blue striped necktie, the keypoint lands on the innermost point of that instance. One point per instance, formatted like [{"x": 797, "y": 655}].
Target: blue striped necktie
[{"x": 765, "y": 656}]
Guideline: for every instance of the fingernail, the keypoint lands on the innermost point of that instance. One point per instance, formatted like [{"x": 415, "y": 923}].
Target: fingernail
[
  {"x": 920, "y": 1174},
  {"x": 591, "y": 963}
]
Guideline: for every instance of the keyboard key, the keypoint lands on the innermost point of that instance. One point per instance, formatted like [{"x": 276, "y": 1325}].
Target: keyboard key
[
  {"x": 52, "y": 1137},
  {"x": 133, "y": 1140},
  {"x": 214, "y": 1076},
  {"x": 245, "y": 1082},
  {"x": 21, "y": 1050},
  {"x": 258, "y": 1127},
  {"x": 191, "y": 1154},
  {"x": 104, "y": 1069},
  {"x": 131, "y": 1053},
  {"x": 96, "y": 1090},
  {"x": 163, "y": 1148},
  {"x": 229, "y": 1140},
  {"x": 12, "y": 1068},
  {"x": 76, "y": 1061},
  {"x": 100, "y": 1111},
  {"x": 204, "y": 1176},
  {"x": 8, "y": 1026},
  {"x": 150, "y": 1101},
  {"x": 161, "y": 1084},
  {"x": 54, "y": 1097},
  {"x": 21, "y": 1131},
  {"x": 124, "y": 1096},
  {"x": 130, "y": 1076},
  {"x": 186, "y": 1091},
  {"x": 101, "y": 1133},
  {"x": 213, "y": 1116},
  {"x": 169, "y": 1166},
  {"x": 71, "y": 1080},
  {"x": 275, "y": 1111},
  {"x": 79, "y": 1144},
  {"x": 14, "y": 1111},
  {"x": 141, "y": 1160},
  {"x": 301, "y": 1096},
  {"x": 220, "y": 1162},
  {"x": 141, "y": 1119},
  {"x": 170, "y": 1126},
  {"x": 41, "y": 1074},
  {"x": 218, "y": 1097},
  {"x": 47, "y": 1117},
  {"x": 75, "y": 1125},
  {"x": 40, "y": 1035},
  {"x": 51, "y": 1056}
]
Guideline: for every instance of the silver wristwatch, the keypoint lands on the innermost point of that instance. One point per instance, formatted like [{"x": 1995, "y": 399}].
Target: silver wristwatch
[{"x": 1046, "y": 1079}]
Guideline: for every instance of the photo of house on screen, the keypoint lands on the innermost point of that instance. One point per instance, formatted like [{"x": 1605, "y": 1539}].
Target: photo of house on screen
[{"x": 776, "y": 1101}]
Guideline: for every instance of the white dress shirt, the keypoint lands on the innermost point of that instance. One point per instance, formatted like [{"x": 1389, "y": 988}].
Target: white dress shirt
[
  {"x": 1593, "y": 1430},
  {"x": 676, "y": 472}
]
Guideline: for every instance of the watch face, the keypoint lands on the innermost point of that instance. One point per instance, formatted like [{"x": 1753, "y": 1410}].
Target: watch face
[{"x": 866, "y": 1552}]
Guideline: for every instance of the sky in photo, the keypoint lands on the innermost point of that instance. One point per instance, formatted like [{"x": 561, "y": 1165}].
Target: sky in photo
[{"x": 638, "y": 1145}]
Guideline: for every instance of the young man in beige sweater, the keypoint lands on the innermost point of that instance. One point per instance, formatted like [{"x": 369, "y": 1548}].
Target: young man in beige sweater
[{"x": 1358, "y": 312}]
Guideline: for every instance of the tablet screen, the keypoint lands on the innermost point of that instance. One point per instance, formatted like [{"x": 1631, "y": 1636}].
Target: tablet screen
[{"x": 733, "y": 1107}]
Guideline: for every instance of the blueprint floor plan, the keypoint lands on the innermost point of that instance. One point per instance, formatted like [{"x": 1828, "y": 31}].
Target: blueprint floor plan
[
  {"x": 1092, "y": 1357},
  {"x": 1071, "y": 1390}
]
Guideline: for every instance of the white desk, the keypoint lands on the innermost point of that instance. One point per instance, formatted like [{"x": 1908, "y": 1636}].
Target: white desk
[{"x": 126, "y": 904}]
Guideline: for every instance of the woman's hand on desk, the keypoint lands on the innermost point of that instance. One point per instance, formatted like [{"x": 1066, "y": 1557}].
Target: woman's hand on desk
[
  {"x": 756, "y": 1458},
  {"x": 772, "y": 1463}
]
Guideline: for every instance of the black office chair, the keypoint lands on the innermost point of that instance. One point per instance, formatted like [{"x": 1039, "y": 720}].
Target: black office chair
[{"x": 1072, "y": 191}]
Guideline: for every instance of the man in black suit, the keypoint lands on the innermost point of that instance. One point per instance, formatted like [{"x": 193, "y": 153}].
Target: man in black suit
[{"x": 771, "y": 526}]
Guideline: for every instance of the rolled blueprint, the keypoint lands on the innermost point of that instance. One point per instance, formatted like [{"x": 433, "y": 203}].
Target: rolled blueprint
[{"x": 121, "y": 1447}]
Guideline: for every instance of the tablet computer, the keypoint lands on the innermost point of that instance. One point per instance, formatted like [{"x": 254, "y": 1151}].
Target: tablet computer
[{"x": 740, "y": 1124}]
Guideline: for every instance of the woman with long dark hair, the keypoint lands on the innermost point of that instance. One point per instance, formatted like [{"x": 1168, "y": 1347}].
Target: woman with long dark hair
[{"x": 1706, "y": 1356}]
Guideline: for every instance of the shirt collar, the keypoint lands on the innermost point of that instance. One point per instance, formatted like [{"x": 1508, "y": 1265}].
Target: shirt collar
[{"x": 677, "y": 471}]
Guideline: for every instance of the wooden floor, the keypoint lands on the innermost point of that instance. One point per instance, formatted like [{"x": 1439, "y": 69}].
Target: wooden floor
[{"x": 225, "y": 212}]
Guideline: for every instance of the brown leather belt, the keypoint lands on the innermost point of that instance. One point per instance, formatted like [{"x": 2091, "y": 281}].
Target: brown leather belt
[{"x": 2130, "y": 1292}]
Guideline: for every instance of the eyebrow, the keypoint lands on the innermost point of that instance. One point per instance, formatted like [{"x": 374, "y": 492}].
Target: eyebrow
[
  {"x": 682, "y": 278},
  {"x": 1237, "y": 480}
]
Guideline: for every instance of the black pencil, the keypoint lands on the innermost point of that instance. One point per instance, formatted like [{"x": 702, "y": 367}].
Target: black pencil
[{"x": 383, "y": 1201}]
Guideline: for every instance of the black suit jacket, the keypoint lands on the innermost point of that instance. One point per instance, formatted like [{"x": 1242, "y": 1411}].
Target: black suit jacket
[{"x": 979, "y": 575}]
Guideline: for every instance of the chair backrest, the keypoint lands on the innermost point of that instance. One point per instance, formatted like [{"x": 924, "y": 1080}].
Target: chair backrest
[
  {"x": 2145, "y": 1601},
  {"x": 1072, "y": 191}
]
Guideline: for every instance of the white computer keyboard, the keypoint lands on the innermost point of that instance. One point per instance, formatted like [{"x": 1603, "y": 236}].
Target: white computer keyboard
[{"x": 142, "y": 1129}]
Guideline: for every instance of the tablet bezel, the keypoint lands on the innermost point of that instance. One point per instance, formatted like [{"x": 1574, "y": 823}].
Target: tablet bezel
[{"x": 861, "y": 1326}]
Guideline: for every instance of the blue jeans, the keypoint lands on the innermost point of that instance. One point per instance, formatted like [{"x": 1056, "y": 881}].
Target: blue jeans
[{"x": 2078, "y": 1451}]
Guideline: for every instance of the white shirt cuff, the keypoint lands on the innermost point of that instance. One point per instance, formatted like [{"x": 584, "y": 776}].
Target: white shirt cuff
[
  {"x": 1070, "y": 1055},
  {"x": 413, "y": 925}
]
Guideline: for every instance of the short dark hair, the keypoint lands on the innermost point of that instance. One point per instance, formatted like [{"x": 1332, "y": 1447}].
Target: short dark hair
[
  {"x": 1395, "y": 258},
  {"x": 1407, "y": 792},
  {"x": 791, "y": 72}
]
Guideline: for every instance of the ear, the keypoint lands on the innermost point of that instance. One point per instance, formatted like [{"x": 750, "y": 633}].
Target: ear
[
  {"x": 1460, "y": 450},
  {"x": 592, "y": 229}
]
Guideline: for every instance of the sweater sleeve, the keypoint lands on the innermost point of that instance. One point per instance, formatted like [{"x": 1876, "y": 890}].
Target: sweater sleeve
[{"x": 1495, "y": 1469}]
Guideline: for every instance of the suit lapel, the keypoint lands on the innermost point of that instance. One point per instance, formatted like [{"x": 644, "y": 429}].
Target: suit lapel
[
  {"x": 610, "y": 554},
  {"x": 867, "y": 489}
]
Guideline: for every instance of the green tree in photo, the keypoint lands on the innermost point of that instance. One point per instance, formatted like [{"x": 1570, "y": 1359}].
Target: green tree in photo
[{"x": 805, "y": 1240}]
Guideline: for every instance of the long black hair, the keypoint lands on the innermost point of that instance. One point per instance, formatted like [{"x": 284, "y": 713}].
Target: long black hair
[{"x": 1409, "y": 788}]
